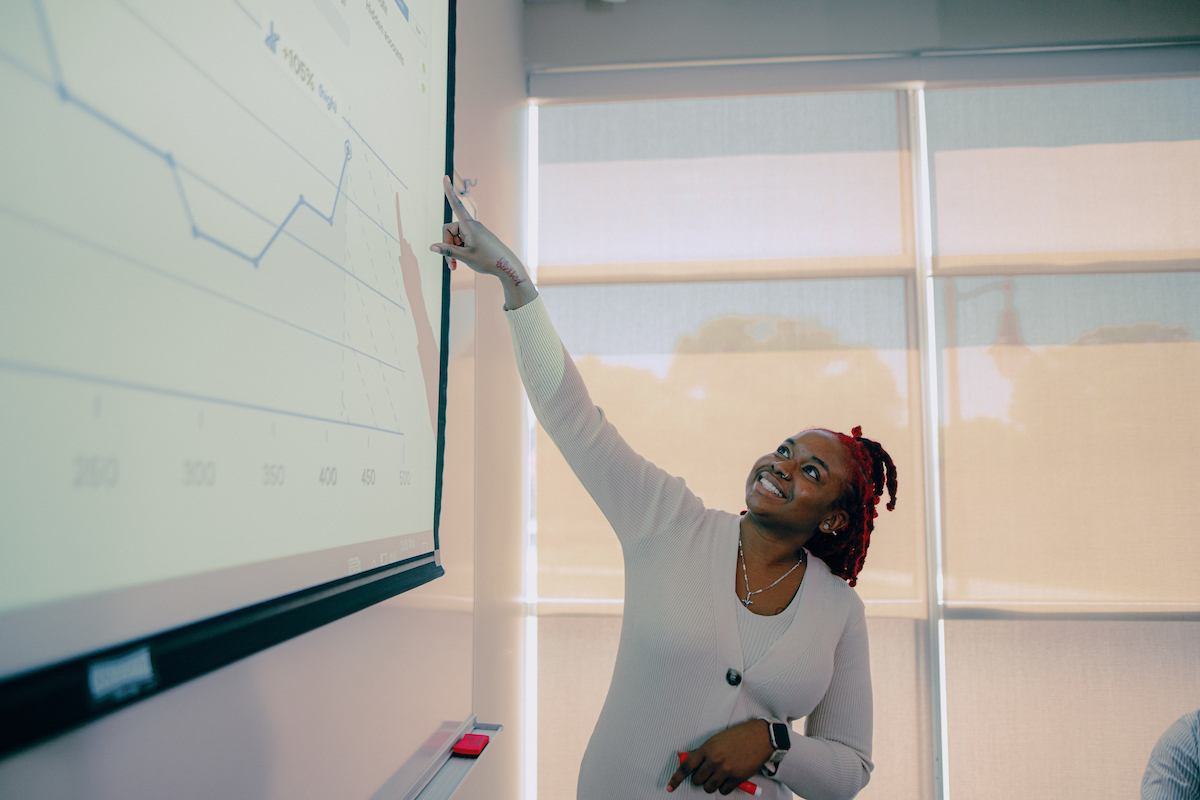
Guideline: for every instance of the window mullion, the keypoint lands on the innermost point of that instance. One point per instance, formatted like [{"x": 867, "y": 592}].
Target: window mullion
[{"x": 922, "y": 220}]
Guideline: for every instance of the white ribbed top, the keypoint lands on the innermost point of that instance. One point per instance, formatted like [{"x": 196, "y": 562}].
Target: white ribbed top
[
  {"x": 757, "y": 633},
  {"x": 679, "y": 633}
]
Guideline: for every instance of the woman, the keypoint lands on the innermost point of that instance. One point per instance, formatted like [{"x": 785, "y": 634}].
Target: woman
[{"x": 733, "y": 626}]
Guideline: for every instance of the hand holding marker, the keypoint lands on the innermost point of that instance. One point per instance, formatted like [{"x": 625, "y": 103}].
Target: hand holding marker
[{"x": 745, "y": 786}]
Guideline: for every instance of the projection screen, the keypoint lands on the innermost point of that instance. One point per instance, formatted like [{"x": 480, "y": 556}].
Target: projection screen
[{"x": 221, "y": 360}]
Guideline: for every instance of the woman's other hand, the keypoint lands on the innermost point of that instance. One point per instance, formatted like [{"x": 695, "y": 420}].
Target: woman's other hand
[
  {"x": 727, "y": 758},
  {"x": 471, "y": 243}
]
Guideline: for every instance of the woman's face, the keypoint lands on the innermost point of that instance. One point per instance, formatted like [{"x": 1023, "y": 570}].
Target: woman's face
[{"x": 795, "y": 487}]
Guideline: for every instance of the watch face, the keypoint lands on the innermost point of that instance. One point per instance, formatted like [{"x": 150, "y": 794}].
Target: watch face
[{"x": 782, "y": 740}]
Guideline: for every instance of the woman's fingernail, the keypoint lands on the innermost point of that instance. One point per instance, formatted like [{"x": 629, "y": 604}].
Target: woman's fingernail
[{"x": 434, "y": 248}]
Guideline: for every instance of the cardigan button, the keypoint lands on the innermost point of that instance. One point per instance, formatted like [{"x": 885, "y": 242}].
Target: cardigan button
[{"x": 733, "y": 677}]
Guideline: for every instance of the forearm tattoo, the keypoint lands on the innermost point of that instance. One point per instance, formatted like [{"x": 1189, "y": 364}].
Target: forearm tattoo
[{"x": 504, "y": 267}]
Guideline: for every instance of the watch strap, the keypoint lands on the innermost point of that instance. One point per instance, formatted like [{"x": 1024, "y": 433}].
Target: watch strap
[{"x": 780, "y": 740}]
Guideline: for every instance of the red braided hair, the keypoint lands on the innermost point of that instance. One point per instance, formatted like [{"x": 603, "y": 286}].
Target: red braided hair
[{"x": 871, "y": 468}]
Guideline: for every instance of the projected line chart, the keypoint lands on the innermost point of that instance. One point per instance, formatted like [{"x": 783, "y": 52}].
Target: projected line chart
[
  {"x": 282, "y": 229},
  {"x": 168, "y": 158},
  {"x": 300, "y": 203},
  {"x": 64, "y": 92},
  {"x": 56, "y": 83},
  {"x": 204, "y": 289}
]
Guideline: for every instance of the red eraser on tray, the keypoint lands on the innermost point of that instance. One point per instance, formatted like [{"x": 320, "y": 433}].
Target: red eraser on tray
[{"x": 470, "y": 745}]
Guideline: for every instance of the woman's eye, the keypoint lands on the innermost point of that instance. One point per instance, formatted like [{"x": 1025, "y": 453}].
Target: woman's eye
[
  {"x": 782, "y": 450},
  {"x": 812, "y": 471}
]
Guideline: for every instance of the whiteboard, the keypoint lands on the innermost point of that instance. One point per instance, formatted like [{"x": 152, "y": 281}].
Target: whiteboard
[{"x": 221, "y": 330}]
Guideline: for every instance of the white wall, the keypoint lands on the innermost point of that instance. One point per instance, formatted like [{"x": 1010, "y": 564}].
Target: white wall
[{"x": 490, "y": 148}]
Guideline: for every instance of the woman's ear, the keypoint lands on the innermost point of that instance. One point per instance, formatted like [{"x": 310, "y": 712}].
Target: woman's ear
[{"x": 835, "y": 522}]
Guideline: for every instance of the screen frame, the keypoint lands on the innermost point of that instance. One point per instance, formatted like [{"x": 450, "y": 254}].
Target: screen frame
[{"x": 51, "y": 700}]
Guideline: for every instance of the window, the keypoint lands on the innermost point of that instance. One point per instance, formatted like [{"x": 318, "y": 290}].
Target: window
[
  {"x": 1070, "y": 373},
  {"x": 688, "y": 248}
]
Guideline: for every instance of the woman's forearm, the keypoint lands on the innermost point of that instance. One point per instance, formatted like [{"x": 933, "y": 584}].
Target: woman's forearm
[
  {"x": 518, "y": 286},
  {"x": 823, "y": 770}
]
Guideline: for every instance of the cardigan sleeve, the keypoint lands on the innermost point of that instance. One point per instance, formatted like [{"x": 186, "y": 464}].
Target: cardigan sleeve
[
  {"x": 832, "y": 761},
  {"x": 635, "y": 496}
]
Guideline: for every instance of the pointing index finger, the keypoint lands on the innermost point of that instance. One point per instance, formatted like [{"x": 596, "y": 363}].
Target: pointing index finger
[{"x": 460, "y": 210}]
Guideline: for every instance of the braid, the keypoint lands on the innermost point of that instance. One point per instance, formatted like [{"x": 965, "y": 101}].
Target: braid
[{"x": 871, "y": 470}]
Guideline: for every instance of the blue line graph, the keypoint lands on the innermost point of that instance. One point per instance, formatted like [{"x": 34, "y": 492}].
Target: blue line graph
[
  {"x": 25, "y": 69},
  {"x": 51, "y": 84},
  {"x": 48, "y": 70},
  {"x": 196, "y": 176},
  {"x": 202, "y": 73},
  {"x": 51, "y": 52},
  {"x": 64, "y": 94}
]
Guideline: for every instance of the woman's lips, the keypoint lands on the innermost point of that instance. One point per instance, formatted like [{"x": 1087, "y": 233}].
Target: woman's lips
[{"x": 770, "y": 486}]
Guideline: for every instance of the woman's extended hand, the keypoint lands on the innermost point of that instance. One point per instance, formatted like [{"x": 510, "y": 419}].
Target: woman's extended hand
[
  {"x": 470, "y": 242},
  {"x": 727, "y": 758}
]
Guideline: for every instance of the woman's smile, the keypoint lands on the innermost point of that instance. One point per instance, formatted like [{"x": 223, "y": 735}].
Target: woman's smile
[{"x": 769, "y": 485}]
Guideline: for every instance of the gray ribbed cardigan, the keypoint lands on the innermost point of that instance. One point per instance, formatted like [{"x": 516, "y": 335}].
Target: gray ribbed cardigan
[{"x": 679, "y": 635}]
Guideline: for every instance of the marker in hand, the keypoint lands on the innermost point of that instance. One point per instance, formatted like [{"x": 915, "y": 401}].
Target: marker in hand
[{"x": 745, "y": 786}]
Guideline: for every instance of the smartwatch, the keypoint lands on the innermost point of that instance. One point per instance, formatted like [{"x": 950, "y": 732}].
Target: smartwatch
[{"x": 780, "y": 740}]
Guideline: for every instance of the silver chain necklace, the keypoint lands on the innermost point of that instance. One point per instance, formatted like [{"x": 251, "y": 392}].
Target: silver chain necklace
[{"x": 742, "y": 557}]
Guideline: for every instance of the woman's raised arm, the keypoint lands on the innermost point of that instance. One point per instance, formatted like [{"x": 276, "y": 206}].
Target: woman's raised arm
[{"x": 635, "y": 496}]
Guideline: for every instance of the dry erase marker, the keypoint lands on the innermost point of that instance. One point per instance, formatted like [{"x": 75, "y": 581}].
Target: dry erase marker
[{"x": 745, "y": 786}]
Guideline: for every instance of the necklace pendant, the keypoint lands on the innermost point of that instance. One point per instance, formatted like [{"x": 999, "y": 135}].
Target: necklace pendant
[{"x": 747, "y": 602}]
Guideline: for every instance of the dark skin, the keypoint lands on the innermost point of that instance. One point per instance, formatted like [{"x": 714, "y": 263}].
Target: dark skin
[
  {"x": 790, "y": 496},
  {"x": 807, "y": 473}
]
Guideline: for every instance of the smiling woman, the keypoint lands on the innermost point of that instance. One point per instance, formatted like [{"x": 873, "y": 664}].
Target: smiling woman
[
  {"x": 797, "y": 482},
  {"x": 708, "y": 680}
]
